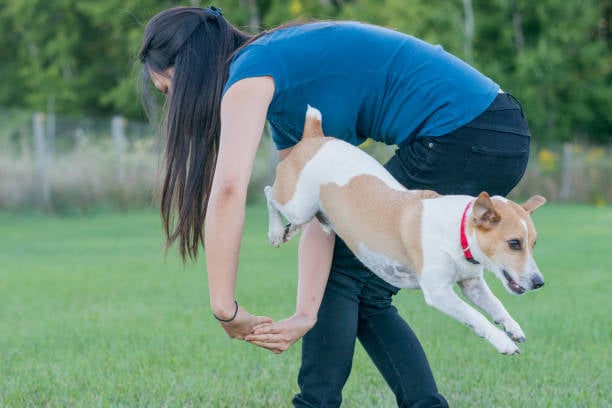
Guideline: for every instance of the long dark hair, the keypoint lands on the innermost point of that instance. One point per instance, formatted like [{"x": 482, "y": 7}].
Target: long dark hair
[{"x": 198, "y": 43}]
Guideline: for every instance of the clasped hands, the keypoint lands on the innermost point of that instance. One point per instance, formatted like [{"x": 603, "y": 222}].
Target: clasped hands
[{"x": 262, "y": 331}]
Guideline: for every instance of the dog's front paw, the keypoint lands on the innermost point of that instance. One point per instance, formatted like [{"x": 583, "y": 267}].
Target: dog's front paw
[
  {"x": 513, "y": 330},
  {"x": 503, "y": 344}
]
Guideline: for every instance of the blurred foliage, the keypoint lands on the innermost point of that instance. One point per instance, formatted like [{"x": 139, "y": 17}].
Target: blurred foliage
[{"x": 554, "y": 55}]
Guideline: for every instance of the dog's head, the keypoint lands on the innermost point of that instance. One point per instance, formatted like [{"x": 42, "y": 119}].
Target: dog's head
[{"x": 506, "y": 237}]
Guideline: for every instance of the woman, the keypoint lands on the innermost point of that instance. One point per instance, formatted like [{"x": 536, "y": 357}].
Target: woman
[{"x": 456, "y": 132}]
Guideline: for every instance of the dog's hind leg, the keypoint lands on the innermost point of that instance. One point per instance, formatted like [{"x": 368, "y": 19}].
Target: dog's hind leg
[
  {"x": 291, "y": 230},
  {"x": 325, "y": 224},
  {"x": 276, "y": 229}
]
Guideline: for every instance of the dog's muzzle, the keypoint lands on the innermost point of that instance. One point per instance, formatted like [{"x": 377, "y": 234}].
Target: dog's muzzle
[{"x": 513, "y": 285}]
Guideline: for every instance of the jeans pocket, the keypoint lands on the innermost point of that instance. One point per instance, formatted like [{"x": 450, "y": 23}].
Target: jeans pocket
[
  {"x": 419, "y": 156},
  {"x": 495, "y": 171}
]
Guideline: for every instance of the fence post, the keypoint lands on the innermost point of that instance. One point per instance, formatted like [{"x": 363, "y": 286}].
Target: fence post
[
  {"x": 468, "y": 24},
  {"x": 50, "y": 128},
  {"x": 119, "y": 146},
  {"x": 40, "y": 149},
  {"x": 254, "y": 23},
  {"x": 50, "y": 135},
  {"x": 565, "y": 192}
]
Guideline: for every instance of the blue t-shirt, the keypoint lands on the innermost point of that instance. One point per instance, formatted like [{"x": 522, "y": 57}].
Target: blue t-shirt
[{"x": 367, "y": 81}]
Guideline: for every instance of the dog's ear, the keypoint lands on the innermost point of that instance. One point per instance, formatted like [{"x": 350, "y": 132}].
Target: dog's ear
[
  {"x": 533, "y": 203},
  {"x": 312, "y": 123},
  {"x": 484, "y": 214}
]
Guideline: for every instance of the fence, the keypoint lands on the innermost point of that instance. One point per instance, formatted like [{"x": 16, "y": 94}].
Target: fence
[
  {"x": 63, "y": 164},
  {"x": 570, "y": 172},
  {"x": 70, "y": 164}
]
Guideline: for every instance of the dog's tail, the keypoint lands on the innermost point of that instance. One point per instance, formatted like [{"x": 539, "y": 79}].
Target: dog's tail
[{"x": 312, "y": 124}]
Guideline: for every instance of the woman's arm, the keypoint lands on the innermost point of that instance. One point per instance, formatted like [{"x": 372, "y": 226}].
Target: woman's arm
[
  {"x": 243, "y": 115},
  {"x": 315, "y": 257}
]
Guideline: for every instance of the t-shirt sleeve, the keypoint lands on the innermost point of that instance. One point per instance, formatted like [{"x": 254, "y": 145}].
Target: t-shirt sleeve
[{"x": 255, "y": 61}]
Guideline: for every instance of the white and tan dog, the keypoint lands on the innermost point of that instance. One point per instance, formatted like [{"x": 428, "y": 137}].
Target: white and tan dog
[{"x": 410, "y": 238}]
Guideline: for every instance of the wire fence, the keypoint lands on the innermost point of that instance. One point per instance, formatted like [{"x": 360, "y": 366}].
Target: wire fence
[{"x": 63, "y": 164}]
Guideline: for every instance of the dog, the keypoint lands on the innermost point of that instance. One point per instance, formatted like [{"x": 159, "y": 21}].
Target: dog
[{"x": 410, "y": 238}]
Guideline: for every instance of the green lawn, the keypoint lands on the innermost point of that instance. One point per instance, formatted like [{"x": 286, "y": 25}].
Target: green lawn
[{"x": 93, "y": 314}]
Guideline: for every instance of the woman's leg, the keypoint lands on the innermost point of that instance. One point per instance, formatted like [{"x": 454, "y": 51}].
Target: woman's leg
[
  {"x": 358, "y": 303},
  {"x": 468, "y": 161},
  {"x": 394, "y": 348},
  {"x": 327, "y": 348}
]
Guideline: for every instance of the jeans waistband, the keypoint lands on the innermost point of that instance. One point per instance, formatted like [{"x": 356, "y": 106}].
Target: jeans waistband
[
  {"x": 504, "y": 114},
  {"x": 503, "y": 101}
]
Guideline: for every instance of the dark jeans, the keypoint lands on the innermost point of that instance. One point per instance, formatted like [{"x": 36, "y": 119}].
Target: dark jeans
[{"x": 488, "y": 154}]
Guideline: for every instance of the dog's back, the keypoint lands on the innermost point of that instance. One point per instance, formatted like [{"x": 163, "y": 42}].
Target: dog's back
[
  {"x": 318, "y": 160},
  {"x": 333, "y": 175}
]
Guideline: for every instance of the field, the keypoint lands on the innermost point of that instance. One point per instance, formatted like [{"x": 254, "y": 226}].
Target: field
[{"x": 93, "y": 314}]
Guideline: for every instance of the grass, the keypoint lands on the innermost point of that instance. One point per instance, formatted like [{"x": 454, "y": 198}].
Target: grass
[{"x": 93, "y": 315}]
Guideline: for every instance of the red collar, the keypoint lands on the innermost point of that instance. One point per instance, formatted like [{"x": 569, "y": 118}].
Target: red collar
[{"x": 464, "y": 241}]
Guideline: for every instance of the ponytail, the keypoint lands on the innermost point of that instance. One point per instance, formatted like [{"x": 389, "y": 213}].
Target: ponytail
[{"x": 198, "y": 44}]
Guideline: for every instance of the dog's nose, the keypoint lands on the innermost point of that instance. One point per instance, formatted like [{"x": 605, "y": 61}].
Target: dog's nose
[{"x": 537, "y": 282}]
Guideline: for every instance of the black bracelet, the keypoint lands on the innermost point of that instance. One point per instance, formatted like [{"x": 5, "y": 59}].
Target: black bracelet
[{"x": 231, "y": 318}]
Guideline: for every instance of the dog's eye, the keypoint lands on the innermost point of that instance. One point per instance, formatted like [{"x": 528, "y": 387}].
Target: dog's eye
[{"x": 514, "y": 244}]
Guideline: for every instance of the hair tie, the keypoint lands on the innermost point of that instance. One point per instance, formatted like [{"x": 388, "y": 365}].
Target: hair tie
[
  {"x": 231, "y": 318},
  {"x": 214, "y": 11}
]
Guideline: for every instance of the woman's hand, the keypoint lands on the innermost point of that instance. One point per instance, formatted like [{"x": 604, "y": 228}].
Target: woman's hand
[
  {"x": 278, "y": 337},
  {"x": 243, "y": 324}
]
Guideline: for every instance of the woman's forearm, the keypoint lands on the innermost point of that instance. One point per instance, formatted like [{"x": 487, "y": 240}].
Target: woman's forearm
[
  {"x": 243, "y": 114},
  {"x": 222, "y": 236},
  {"x": 315, "y": 257}
]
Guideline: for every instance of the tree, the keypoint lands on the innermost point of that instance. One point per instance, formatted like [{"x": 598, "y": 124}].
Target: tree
[
  {"x": 443, "y": 24},
  {"x": 80, "y": 57},
  {"x": 554, "y": 55}
]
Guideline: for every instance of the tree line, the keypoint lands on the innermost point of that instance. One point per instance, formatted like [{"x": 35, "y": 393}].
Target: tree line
[{"x": 79, "y": 57}]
